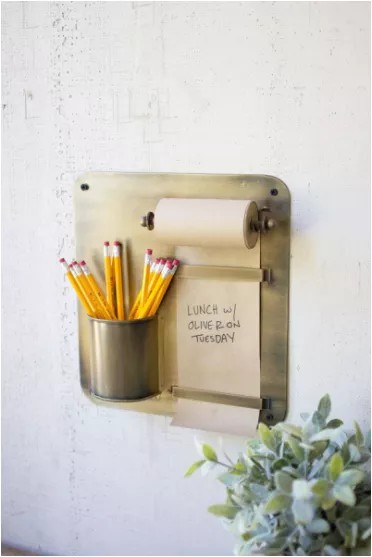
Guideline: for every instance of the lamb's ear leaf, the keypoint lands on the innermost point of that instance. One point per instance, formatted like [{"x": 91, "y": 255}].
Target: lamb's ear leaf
[
  {"x": 324, "y": 406},
  {"x": 266, "y": 436},
  {"x": 335, "y": 466},
  {"x": 209, "y": 453},
  {"x": 227, "y": 511},
  {"x": 276, "y": 503},
  {"x": 194, "y": 467}
]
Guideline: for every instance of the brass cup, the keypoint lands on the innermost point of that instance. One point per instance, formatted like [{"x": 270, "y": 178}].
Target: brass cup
[{"x": 124, "y": 359}]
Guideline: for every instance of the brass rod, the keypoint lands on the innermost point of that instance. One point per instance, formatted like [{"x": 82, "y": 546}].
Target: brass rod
[
  {"x": 214, "y": 272},
  {"x": 220, "y": 398}
]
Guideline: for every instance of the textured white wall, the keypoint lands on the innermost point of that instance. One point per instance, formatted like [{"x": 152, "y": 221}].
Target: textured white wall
[{"x": 275, "y": 88}]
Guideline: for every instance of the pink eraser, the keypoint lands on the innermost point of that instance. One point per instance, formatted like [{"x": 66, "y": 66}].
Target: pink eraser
[
  {"x": 169, "y": 264},
  {"x": 116, "y": 243},
  {"x": 176, "y": 262},
  {"x": 162, "y": 261},
  {"x": 149, "y": 251},
  {"x": 82, "y": 263},
  {"x": 106, "y": 243},
  {"x": 62, "y": 260},
  {"x": 157, "y": 260}
]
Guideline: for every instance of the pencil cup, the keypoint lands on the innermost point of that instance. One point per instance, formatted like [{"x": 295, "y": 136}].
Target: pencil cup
[{"x": 124, "y": 359}]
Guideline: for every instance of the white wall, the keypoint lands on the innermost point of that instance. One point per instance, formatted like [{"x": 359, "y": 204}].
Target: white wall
[{"x": 275, "y": 88}]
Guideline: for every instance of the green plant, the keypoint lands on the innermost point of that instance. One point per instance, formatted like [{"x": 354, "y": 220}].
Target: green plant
[{"x": 298, "y": 490}]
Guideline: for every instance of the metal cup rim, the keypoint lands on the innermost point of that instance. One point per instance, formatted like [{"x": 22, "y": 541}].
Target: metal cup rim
[{"x": 122, "y": 321}]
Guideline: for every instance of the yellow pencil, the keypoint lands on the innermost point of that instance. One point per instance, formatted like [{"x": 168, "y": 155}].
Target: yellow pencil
[
  {"x": 153, "y": 282},
  {"x": 76, "y": 287},
  {"x": 137, "y": 301},
  {"x": 83, "y": 281},
  {"x": 163, "y": 290},
  {"x": 145, "y": 276},
  {"x": 118, "y": 281},
  {"x": 157, "y": 273},
  {"x": 109, "y": 278},
  {"x": 83, "y": 292},
  {"x": 144, "y": 310},
  {"x": 105, "y": 308}
]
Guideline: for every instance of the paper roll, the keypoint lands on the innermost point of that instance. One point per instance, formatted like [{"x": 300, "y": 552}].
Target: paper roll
[
  {"x": 216, "y": 417},
  {"x": 206, "y": 222}
]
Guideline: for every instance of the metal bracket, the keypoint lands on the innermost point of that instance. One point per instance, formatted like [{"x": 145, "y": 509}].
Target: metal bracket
[{"x": 109, "y": 205}]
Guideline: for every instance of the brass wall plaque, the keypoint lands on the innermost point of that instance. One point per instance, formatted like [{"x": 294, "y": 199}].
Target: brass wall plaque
[{"x": 109, "y": 206}]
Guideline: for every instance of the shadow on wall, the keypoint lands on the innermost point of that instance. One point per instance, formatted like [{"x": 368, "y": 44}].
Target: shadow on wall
[{"x": 7, "y": 550}]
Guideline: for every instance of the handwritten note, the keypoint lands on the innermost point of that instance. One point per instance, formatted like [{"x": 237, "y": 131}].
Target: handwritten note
[
  {"x": 220, "y": 328},
  {"x": 218, "y": 335}
]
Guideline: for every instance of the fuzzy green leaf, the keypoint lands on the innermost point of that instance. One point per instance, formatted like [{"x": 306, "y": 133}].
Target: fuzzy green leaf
[
  {"x": 358, "y": 435},
  {"x": 344, "y": 494},
  {"x": 336, "y": 436},
  {"x": 303, "y": 511},
  {"x": 209, "y": 452},
  {"x": 351, "y": 477},
  {"x": 296, "y": 449},
  {"x": 328, "y": 503},
  {"x": 227, "y": 511},
  {"x": 355, "y": 455},
  {"x": 290, "y": 429},
  {"x": 229, "y": 480},
  {"x": 333, "y": 424},
  {"x": 277, "y": 503},
  {"x": 260, "y": 492},
  {"x": 279, "y": 464},
  {"x": 318, "y": 448},
  {"x": 320, "y": 487},
  {"x": 240, "y": 467},
  {"x": 345, "y": 453},
  {"x": 318, "y": 526},
  {"x": 266, "y": 436},
  {"x": 335, "y": 466},
  {"x": 324, "y": 406},
  {"x": 283, "y": 482},
  {"x": 194, "y": 467},
  {"x": 318, "y": 419},
  {"x": 301, "y": 489}
]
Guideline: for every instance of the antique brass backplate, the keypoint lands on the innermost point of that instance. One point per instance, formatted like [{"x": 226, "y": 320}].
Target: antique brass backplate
[{"x": 109, "y": 206}]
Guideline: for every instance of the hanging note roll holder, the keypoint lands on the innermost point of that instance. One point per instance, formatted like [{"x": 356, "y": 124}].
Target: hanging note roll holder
[
  {"x": 112, "y": 205},
  {"x": 249, "y": 222}
]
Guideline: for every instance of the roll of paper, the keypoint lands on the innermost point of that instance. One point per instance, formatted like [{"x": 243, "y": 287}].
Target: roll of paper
[{"x": 223, "y": 223}]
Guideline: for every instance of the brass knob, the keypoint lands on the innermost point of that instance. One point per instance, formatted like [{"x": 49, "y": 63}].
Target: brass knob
[
  {"x": 270, "y": 223},
  {"x": 147, "y": 221},
  {"x": 264, "y": 223}
]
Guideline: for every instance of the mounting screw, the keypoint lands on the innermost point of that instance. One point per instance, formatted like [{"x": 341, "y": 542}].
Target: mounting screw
[
  {"x": 84, "y": 187},
  {"x": 269, "y": 417},
  {"x": 274, "y": 191}
]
